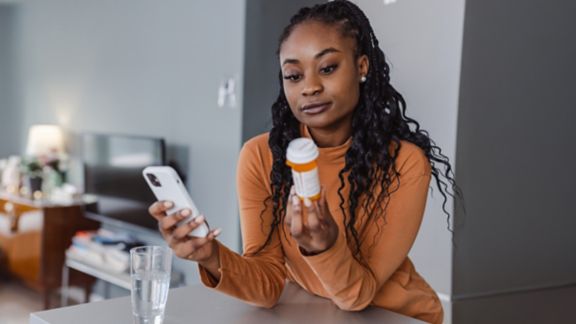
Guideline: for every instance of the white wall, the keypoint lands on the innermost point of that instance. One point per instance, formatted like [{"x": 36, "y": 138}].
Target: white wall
[{"x": 422, "y": 41}]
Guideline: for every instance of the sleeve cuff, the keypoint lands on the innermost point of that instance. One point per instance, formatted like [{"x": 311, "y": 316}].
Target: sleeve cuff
[
  {"x": 208, "y": 279},
  {"x": 331, "y": 257}
]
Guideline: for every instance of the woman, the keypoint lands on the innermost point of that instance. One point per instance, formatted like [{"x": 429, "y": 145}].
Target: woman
[{"x": 375, "y": 166}]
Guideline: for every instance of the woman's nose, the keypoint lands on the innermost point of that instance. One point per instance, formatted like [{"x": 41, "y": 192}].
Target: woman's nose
[{"x": 312, "y": 86}]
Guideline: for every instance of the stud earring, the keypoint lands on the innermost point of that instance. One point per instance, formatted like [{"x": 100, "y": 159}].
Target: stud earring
[{"x": 363, "y": 79}]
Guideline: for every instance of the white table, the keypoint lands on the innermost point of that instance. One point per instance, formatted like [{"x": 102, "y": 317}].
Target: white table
[{"x": 198, "y": 304}]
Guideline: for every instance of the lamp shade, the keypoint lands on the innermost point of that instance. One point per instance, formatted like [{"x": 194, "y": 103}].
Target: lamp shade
[{"x": 45, "y": 140}]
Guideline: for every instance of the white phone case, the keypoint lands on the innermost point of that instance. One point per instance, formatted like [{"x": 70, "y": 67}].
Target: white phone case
[{"x": 171, "y": 188}]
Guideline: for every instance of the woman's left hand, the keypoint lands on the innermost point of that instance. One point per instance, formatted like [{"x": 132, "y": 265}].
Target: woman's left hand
[{"x": 316, "y": 232}]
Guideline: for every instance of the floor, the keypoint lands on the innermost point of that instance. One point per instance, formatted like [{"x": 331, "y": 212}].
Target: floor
[
  {"x": 546, "y": 306},
  {"x": 18, "y": 301}
]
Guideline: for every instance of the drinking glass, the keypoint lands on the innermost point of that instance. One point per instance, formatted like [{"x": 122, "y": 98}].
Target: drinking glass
[{"x": 150, "y": 268}]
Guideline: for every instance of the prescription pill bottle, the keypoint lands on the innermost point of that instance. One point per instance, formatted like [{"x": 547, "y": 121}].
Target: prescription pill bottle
[{"x": 301, "y": 156}]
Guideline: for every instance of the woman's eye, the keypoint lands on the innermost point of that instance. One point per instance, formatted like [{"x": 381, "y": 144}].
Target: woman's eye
[
  {"x": 329, "y": 69},
  {"x": 292, "y": 77}
]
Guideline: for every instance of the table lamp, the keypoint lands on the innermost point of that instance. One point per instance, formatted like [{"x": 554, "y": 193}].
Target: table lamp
[{"x": 45, "y": 140}]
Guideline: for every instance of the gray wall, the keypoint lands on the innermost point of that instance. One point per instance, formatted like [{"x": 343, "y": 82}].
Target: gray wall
[
  {"x": 422, "y": 41},
  {"x": 9, "y": 112},
  {"x": 265, "y": 20},
  {"x": 516, "y": 148},
  {"x": 143, "y": 67},
  {"x": 510, "y": 107}
]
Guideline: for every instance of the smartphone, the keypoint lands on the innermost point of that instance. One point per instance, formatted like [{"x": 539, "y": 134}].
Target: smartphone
[{"x": 167, "y": 185}]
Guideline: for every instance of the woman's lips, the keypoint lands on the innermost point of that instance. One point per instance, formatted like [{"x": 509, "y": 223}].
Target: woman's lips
[{"x": 314, "y": 109}]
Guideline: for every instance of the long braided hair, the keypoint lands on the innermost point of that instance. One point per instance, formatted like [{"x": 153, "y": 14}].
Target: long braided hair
[{"x": 369, "y": 162}]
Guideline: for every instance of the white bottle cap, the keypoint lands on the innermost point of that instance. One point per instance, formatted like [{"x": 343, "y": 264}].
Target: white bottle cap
[{"x": 302, "y": 150}]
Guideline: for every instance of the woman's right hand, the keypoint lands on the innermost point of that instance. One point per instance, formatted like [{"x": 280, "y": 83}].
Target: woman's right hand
[{"x": 202, "y": 250}]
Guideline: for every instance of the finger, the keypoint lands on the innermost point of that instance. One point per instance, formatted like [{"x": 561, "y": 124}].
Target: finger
[
  {"x": 288, "y": 216},
  {"x": 322, "y": 206},
  {"x": 323, "y": 211},
  {"x": 183, "y": 231},
  {"x": 296, "y": 226},
  {"x": 183, "y": 248},
  {"x": 198, "y": 243},
  {"x": 186, "y": 247},
  {"x": 158, "y": 209},
  {"x": 214, "y": 234},
  {"x": 289, "y": 208},
  {"x": 326, "y": 215},
  {"x": 313, "y": 217},
  {"x": 167, "y": 223}
]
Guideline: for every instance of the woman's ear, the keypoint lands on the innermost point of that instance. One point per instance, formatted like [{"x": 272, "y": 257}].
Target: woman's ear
[{"x": 363, "y": 65}]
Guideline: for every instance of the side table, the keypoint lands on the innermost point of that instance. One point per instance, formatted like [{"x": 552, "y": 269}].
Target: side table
[{"x": 60, "y": 221}]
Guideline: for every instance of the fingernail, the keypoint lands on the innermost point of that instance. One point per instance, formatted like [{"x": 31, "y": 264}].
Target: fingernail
[
  {"x": 185, "y": 212},
  {"x": 217, "y": 231},
  {"x": 199, "y": 219},
  {"x": 168, "y": 204},
  {"x": 307, "y": 202}
]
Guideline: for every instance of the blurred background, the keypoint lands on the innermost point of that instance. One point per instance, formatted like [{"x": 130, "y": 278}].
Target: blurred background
[{"x": 187, "y": 82}]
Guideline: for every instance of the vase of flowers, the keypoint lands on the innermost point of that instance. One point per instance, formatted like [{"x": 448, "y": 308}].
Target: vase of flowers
[
  {"x": 32, "y": 175},
  {"x": 41, "y": 175}
]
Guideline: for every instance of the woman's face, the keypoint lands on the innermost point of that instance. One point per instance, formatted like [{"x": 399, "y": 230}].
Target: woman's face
[{"x": 321, "y": 75}]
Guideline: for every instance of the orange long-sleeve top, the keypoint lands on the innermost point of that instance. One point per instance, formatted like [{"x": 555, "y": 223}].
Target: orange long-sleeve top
[{"x": 391, "y": 282}]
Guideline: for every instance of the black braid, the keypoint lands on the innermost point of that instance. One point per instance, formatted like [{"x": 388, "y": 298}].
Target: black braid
[{"x": 370, "y": 164}]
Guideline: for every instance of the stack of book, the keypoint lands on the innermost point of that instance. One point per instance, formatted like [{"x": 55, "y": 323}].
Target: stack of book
[{"x": 103, "y": 249}]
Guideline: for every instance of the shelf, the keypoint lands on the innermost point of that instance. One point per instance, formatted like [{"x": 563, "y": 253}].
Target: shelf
[{"x": 97, "y": 271}]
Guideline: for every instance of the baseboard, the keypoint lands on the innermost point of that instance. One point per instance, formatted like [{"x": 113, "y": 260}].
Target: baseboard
[{"x": 495, "y": 293}]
